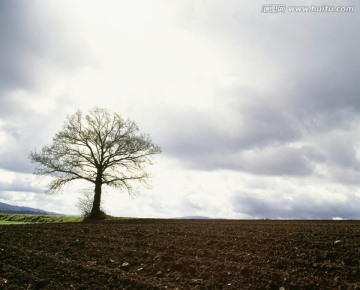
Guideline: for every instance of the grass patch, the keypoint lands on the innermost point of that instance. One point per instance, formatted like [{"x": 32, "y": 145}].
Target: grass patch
[
  {"x": 33, "y": 218},
  {"x": 2, "y": 222},
  {"x": 6, "y": 219}
]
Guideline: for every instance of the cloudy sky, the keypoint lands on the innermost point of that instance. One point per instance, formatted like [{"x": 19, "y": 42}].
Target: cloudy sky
[{"x": 257, "y": 114}]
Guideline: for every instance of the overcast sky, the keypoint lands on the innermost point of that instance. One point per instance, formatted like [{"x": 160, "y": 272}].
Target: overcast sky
[{"x": 257, "y": 114}]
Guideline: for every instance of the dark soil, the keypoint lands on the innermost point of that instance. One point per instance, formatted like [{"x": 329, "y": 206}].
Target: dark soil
[{"x": 182, "y": 254}]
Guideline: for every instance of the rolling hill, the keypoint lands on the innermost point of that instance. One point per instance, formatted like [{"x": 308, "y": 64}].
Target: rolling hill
[{"x": 14, "y": 209}]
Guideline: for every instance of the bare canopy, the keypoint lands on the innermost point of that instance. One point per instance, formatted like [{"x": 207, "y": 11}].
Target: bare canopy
[{"x": 100, "y": 147}]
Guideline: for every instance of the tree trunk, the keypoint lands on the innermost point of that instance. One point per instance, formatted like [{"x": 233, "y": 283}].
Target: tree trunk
[{"x": 96, "y": 213}]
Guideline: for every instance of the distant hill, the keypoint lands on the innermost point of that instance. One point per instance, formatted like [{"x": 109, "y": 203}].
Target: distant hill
[
  {"x": 13, "y": 209},
  {"x": 194, "y": 217}
]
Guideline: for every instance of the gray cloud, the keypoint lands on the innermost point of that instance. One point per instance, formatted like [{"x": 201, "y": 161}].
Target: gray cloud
[
  {"x": 299, "y": 208},
  {"x": 279, "y": 160},
  {"x": 26, "y": 131},
  {"x": 315, "y": 55},
  {"x": 259, "y": 140},
  {"x": 34, "y": 42},
  {"x": 342, "y": 152},
  {"x": 36, "y": 49},
  {"x": 19, "y": 186},
  {"x": 238, "y": 126},
  {"x": 14, "y": 51},
  {"x": 315, "y": 92}
]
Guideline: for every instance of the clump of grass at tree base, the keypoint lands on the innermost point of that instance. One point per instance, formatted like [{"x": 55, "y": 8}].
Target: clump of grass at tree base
[{"x": 85, "y": 204}]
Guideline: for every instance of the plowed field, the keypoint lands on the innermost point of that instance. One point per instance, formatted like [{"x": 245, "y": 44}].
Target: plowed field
[{"x": 181, "y": 254}]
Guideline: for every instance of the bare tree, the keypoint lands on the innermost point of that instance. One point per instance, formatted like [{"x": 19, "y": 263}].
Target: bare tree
[{"x": 101, "y": 148}]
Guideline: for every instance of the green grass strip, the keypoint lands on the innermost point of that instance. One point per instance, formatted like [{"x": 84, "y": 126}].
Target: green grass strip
[{"x": 33, "y": 218}]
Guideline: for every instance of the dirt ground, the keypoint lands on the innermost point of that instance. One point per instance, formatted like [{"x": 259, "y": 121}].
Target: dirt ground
[{"x": 181, "y": 254}]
